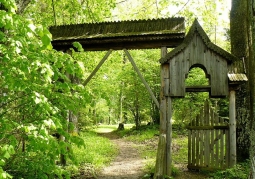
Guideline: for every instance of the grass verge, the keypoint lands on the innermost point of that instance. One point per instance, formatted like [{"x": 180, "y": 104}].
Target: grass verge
[{"x": 98, "y": 152}]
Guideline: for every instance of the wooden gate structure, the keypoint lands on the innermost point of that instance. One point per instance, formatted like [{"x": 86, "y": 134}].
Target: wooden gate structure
[
  {"x": 193, "y": 50},
  {"x": 208, "y": 140},
  {"x": 197, "y": 50}
]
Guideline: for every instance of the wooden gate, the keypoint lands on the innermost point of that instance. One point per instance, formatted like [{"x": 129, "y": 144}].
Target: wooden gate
[{"x": 208, "y": 140}]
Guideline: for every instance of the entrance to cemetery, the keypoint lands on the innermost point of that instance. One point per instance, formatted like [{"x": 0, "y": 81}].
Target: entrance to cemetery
[{"x": 193, "y": 50}]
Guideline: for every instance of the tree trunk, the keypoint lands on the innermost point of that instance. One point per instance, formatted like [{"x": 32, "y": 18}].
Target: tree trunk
[
  {"x": 241, "y": 46},
  {"x": 21, "y": 5}
]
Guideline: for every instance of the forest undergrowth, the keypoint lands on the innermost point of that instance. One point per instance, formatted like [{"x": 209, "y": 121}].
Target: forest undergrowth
[{"x": 100, "y": 151}]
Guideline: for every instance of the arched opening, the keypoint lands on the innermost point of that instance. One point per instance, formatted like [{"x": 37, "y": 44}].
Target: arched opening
[
  {"x": 187, "y": 108},
  {"x": 197, "y": 76}
]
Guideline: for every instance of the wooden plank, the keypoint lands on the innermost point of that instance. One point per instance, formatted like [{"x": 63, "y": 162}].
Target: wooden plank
[
  {"x": 212, "y": 138},
  {"x": 217, "y": 144},
  {"x": 198, "y": 88},
  {"x": 197, "y": 147},
  {"x": 189, "y": 147},
  {"x": 207, "y": 133},
  {"x": 208, "y": 127},
  {"x": 201, "y": 139},
  {"x": 221, "y": 146},
  {"x": 227, "y": 147},
  {"x": 193, "y": 147},
  {"x": 97, "y": 67},
  {"x": 142, "y": 78},
  {"x": 197, "y": 141}
]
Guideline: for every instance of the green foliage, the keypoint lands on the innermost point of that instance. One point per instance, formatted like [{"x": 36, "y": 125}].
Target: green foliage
[
  {"x": 98, "y": 152},
  {"x": 141, "y": 134},
  {"x": 239, "y": 171},
  {"x": 35, "y": 97},
  {"x": 68, "y": 11},
  {"x": 187, "y": 108}
]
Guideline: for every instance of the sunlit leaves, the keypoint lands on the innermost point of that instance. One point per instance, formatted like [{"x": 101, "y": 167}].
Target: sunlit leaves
[{"x": 36, "y": 94}]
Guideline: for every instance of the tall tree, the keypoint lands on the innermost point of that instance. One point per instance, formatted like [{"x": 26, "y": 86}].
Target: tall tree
[{"x": 241, "y": 45}]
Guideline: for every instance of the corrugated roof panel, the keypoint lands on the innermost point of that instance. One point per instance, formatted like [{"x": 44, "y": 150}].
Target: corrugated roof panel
[
  {"x": 119, "y": 28},
  {"x": 137, "y": 34},
  {"x": 237, "y": 77}
]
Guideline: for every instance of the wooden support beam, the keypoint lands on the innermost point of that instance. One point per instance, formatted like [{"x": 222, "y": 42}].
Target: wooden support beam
[
  {"x": 141, "y": 77},
  {"x": 164, "y": 76},
  {"x": 97, "y": 67},
  {"x": 232, "y": 128},
  {"x": 159, "y": 167},
  {"x": 169, "y": 137},
  {"x": 198, "y": 88}
]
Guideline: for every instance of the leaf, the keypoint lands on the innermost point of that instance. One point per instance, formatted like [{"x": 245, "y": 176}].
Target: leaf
[
  {"x": 6, "y": 155},
  {"x": 78, "y": 46},
  {"x": 46, "y": 40}
]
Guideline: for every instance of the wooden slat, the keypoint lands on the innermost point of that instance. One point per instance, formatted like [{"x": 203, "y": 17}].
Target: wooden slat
[
  {"x": 208, "y": 127},
  {"x": 207, "y": 134},
  {"x": 227, "y": 148},
  {"x": 198, "y": 88},
  {"x": 197, "y": 147},
  {"x": 201, "y": 146},
  {"x": 221, "y": 145},
  {"x": 217, "y": 143},
  {"x": 189, "y": 147},
  {"x": 193, "y": 147}
]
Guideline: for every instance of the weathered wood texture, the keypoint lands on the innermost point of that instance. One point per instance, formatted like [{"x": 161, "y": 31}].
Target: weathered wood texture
[
  {"x": 232, "y": 127},
  {"x": 159, "y": 168},
  {"x": 208, "y": 141},
  {"x": 137, "y": 34},
  {"x": 197, "y": 54},
  {"x": 198, "y": 51},
  {"x": 163, "y": 104}
]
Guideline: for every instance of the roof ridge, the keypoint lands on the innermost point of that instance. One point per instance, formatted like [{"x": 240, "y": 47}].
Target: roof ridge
[
  {"x": 196, "y": 27},
  {"x": 122, "y": 21}
]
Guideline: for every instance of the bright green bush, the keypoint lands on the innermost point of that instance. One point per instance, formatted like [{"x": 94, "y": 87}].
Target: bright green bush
[{"x": 239, "y": 171}]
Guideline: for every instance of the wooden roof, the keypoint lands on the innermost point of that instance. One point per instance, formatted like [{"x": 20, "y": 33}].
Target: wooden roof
[
  {"x": 196, "y": 28},
  {"x": 239, "y": 77},
  {"x": 138, "y": 34}
]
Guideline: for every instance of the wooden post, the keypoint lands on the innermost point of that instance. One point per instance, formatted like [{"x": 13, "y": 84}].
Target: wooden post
[
  {"x": 169, "y": 137},
  {"x": 232, "y": 128},
  {"x": 141, "y": 77},
  {"x": 159, "y": 168},
  {"x": 164, "y": 92},
  {"x": 97, "y": 67}
]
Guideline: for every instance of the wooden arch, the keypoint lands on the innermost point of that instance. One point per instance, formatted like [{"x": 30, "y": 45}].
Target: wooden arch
[{"x": 197, "y": 50}]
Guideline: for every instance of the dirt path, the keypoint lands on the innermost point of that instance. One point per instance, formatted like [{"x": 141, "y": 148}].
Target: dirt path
[{"x": 128, "y": 164}]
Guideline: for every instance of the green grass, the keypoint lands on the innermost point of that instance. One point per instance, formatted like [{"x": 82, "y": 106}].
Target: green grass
[
  {"x": 143, "y": 134},
  {"x": 102, "y": 128},
  {"x": 98, "y": 151},
  {"x": 105, "y": 128},
  {"x": 180, "y": 149}
]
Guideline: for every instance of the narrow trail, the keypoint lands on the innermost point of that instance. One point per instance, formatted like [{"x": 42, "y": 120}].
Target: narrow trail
[{"x": 128, "y": 164}]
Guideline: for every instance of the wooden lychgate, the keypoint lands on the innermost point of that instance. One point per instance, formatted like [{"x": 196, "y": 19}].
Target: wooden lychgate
[{"x": 198, "y": 51}]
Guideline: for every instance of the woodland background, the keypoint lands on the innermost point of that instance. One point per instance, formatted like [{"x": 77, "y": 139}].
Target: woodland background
[{"x": 38, "y": 99}]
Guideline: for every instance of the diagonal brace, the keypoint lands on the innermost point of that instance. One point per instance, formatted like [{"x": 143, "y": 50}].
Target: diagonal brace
[
  {"x": 97, "y": 67},
  {"x": 141, "y": 77}
]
